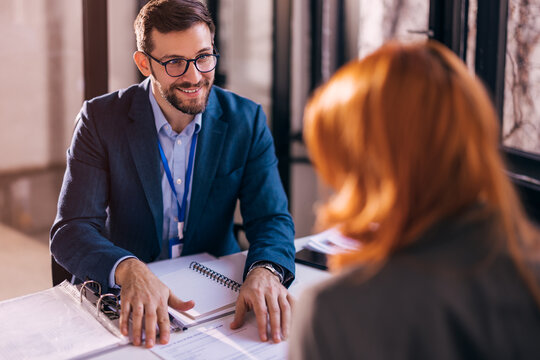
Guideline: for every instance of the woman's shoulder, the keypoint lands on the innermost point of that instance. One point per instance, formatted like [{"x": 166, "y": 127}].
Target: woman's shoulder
[{"x": 458, "y": 263}]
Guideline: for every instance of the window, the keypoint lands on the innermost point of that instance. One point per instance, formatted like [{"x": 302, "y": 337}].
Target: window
[
  {"x": 380, "y": 21},
  {"x": 507, "y": 54},
  {"x": 521, "y": 110}
]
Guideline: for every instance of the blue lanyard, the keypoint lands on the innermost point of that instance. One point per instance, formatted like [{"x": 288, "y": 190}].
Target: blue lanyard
[{"x": 181, "y": 208}]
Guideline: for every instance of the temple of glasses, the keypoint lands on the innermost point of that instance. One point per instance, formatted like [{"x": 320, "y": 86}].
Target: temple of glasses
[{"x": 177, "y": 67}]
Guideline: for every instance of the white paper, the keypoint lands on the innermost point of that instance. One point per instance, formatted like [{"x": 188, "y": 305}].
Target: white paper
[
  {"x": 49, "y": 325},
  {"x": 331, "y": 242},
  {"x": 216, "y": 340}
]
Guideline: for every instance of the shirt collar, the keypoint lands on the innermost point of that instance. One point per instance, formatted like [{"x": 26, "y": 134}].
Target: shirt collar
[{"x": 161, "y": 121}]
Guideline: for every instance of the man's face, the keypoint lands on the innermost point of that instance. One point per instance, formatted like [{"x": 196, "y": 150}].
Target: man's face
[{"x": 187, "y": 93}]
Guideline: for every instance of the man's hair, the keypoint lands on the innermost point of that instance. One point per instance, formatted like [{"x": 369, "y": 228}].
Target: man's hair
[{"x": 169, "y": 15}]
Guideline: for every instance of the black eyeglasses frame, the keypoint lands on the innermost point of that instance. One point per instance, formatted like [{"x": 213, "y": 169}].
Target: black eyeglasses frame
[{"x": 188, "y": 61}]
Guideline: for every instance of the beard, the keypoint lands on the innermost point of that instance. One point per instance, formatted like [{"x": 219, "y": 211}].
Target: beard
[{"x": 188, "y": 106}]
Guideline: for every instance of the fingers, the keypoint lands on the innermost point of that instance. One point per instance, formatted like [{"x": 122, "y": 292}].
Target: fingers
[
  {"x": 274, "y": 314},
  {"x": 163, "y": 325},
  {"x": 137, "y": 317},
  {"x": 261, "y": 314},
  {"x": 150, "y": 320},
  {"x": 277, "y": 311},
  {"x": 270, "y": 302},
  {"x": 178, "y": 304},
  {"x": 146, "y": 298},
  {"x": 292, "y": 301},
  {"x": 260, "y": 310},
  {"x": 285, "y": 304},
  {"x": 150, "y": 317},
  {"x": 125, "y": 309},
  {"x": 239, "y": 314}
]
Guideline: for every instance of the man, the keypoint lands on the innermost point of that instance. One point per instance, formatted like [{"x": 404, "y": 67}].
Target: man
[{"x": 155, "y": 171}]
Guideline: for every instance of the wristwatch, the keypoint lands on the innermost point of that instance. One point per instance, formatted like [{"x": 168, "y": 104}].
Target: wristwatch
[{"x": 274, "y": 269}]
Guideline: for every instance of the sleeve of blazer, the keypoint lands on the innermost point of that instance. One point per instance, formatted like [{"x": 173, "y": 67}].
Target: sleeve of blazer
[
  {"x": 78, "y": 239},
  {"x": 263, "y": 203}
]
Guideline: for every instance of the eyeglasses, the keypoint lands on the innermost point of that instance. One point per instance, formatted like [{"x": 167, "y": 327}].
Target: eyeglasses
[{"x": 177, "y": 67}]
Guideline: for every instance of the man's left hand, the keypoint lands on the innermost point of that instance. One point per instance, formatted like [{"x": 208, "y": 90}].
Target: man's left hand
[{"x": 263, "y": 293}]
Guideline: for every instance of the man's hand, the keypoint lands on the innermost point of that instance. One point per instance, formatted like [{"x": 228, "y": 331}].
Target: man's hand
[
  {"x": 144, "y": 295},
  {"x": 263, "y": 293}
]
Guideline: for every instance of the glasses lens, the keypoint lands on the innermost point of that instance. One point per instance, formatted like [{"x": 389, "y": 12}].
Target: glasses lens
[
  {"x": 176, "y": 67},
  {"x": 206, "y": 63}
]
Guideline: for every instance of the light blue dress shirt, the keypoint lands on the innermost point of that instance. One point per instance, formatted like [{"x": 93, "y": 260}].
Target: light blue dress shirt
[{"x": 176, "y": 148}]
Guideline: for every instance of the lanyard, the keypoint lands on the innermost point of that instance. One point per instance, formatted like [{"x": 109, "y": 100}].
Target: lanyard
[{"x": 182, "y": 207}]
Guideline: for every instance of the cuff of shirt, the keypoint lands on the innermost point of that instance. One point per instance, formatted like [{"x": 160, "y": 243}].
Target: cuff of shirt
[{"x": 112, "y": 282}]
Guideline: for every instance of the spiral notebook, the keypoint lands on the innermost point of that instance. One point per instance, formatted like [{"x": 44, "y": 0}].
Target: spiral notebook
[{"x": 212, "y": 285}]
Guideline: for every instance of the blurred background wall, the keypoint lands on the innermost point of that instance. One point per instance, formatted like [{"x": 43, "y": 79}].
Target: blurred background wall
[{"x": 41, "y": 92}]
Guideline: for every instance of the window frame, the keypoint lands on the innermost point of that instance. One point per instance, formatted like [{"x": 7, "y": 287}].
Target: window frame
[{"x": 449, "y": 24}]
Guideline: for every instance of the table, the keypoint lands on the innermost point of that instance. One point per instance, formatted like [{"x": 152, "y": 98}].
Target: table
[{"x": 305, "y": 276}]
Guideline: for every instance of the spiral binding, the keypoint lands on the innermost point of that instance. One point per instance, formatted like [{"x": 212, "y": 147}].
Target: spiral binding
[{"x": 217, "y": 277}]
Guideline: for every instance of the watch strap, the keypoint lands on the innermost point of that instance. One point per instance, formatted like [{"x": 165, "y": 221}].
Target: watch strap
[{"x": 273, "y": 268}]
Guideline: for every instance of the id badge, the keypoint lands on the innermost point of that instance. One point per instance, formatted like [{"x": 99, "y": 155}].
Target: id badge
[
  {"x": 175, "y": 247},
  {"x": 180, "y": 230},
  {"x": 176, "y": 244}
]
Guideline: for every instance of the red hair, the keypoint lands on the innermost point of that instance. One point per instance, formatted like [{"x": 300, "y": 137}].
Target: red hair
[{"x": 406, "y": 137}]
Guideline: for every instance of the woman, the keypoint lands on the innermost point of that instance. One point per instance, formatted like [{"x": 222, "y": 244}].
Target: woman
[{"x": 409, "y": 141}]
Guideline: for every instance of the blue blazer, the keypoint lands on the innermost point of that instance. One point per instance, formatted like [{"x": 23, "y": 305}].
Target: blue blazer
[{"x": 111, "y": 204}]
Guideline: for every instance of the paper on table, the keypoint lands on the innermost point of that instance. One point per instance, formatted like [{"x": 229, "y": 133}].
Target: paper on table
[
  {"x": 50, "y": 325},
  {"x": 331, "y": 242},
  {"x": 216, "y": 340}
]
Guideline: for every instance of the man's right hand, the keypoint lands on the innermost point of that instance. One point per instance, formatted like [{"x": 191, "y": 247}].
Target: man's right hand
[{"x": 145, "y": 296}]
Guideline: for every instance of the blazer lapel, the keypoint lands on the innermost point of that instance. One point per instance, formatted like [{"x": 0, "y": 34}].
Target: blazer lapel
[
  {"x": 142, "y": 137},
  {"x": 209, "y": 144}
]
